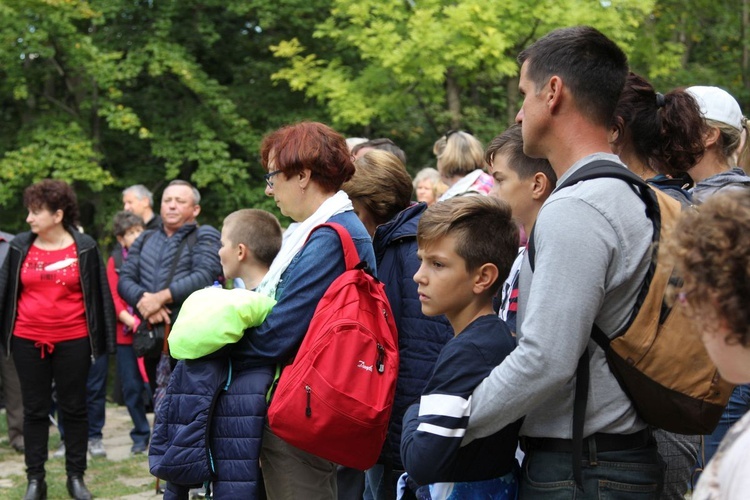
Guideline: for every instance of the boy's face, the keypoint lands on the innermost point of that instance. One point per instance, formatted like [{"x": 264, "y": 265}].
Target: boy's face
[
  {"x": 444, "y": 284},
  {"x": 509, "y": 187},
  {"x": 130, "y": 236},
  {"x": 229, "y": 255}
]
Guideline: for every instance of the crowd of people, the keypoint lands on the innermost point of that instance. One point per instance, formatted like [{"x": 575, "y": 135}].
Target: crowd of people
[{"x": 494, "y": 320}]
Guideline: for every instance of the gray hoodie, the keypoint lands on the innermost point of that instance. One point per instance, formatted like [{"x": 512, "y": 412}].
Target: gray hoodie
[{"x": 729, "y": 179}]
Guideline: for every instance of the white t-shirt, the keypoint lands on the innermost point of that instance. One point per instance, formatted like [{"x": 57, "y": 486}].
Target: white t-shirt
[{"x": 727, "y": 475}]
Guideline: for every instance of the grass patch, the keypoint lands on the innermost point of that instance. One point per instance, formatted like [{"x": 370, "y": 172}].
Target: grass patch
[{"x": 105, "y": 478}]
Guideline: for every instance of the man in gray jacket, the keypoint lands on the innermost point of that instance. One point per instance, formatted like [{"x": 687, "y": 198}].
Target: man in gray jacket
[
  {"x": 592, "y": 244},
  {"x": 11, "y": 385}
]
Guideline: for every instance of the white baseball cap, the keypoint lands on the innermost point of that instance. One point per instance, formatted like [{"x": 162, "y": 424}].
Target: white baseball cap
[{"x": 718, "y": 105}]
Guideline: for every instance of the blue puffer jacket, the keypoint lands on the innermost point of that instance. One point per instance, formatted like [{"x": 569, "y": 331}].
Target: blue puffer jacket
[
  {"x": 209, "y": 428},
  {"x": 420, "y": 338},
  {"x": 149, "y": 263}
]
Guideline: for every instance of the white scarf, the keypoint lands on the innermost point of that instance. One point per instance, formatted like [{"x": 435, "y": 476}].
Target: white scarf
[{"x": 295, "y": 237}]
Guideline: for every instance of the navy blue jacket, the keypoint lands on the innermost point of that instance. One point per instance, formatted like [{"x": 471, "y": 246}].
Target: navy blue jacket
[
  {"x": 209, "y": 428},
  {"x": 420, "y": 338},
  {"x": 302, "y": 285},
  {"x": 148, "y": 264},
  {"x": 433, "y": 429}
]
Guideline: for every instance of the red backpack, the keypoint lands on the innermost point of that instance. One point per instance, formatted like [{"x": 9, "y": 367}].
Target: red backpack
[{"x": 335, "y": 399}]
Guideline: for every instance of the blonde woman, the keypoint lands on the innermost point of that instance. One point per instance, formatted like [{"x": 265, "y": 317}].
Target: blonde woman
[
  {"x": 716, "y": 170},
  {"x": 460, "y": 159}
]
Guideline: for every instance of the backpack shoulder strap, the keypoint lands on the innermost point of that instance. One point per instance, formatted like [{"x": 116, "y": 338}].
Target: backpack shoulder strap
[
  {"x": 351, "y": 256},
  {"x": 608, "y": 169}
]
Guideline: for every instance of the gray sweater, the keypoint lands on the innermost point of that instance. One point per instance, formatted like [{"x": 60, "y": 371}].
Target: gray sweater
[{"x": 592, "y": 251}]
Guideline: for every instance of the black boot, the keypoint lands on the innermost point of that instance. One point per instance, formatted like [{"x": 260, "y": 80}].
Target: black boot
[
  {"x": 77, "y": 488},
  {"x": 36, "y": 490}
]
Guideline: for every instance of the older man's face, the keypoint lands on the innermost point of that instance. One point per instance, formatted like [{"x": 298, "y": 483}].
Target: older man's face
[{"x": 178, "y": 207}]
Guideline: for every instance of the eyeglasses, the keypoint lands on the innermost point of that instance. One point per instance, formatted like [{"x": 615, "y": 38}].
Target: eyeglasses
[{"x": 268, "y": 176}]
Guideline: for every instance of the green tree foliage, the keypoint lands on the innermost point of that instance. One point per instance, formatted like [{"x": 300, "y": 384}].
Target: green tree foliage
[
  {"x": 109, "y": 93},
  {"x": 699, "y": 42},
  {"x": 417, "y": 68}
]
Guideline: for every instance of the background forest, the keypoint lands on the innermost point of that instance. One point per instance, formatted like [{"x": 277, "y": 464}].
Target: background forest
[{"x": 109, "y": 93}]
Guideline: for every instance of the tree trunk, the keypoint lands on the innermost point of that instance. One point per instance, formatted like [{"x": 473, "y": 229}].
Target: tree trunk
[
  {"x": 511, "y": 90},
  {"x": 745, "y": 44},
  {"x": 453, "y": 96}
]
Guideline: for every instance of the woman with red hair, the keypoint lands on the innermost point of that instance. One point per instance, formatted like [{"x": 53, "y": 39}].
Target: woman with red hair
[{"x": 306, "y": 165}]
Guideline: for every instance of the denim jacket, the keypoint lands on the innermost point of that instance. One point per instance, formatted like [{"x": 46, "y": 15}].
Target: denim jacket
[{"x": 303, "y": 284}]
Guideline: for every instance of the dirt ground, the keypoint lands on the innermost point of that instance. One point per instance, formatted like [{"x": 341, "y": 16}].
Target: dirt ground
[{"x": 117, "y": 443}]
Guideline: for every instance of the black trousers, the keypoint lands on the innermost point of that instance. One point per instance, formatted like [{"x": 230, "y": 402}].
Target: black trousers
[{"x": 68, "y": 366}]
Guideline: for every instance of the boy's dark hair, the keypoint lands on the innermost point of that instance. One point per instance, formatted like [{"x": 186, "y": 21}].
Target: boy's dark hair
[
  {"x": 510, "y": 144},
  {"x": 123, "y": 221},
  {"x": 54, "y": 195},
  {"x": 483, "y": 228},
  {"x": 383, "y": 144},
  {"x": 258, "y": 230},
  {"x": 591, "y": 65},
  {"x": 665, "y": 132}
]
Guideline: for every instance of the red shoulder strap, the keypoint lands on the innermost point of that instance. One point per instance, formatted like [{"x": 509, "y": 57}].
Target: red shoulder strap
[{"x": 351, "y": 256}]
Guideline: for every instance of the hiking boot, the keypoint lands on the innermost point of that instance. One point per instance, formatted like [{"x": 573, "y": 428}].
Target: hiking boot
[
  {"x": 59, "y": 452},
  {"x": 96, "y": 448}
]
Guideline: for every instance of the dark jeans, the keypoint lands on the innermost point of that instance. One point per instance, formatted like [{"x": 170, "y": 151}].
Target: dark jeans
[
  {"x": 132, "y": 393},
  {"x": 739, "y": 404},
  {"x": 68, "y": 366},
  {"x": 626, "y": 474},
  {"x": 96, "y": 398}
]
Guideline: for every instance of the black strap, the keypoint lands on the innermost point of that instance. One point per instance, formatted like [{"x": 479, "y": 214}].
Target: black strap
[
  {"x": 178, "y": 254},
  {"x": 579, "y": 415},
  {"x": 608, "y": 169}
]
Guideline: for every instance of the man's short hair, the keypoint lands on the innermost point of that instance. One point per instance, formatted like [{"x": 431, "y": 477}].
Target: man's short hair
[
  {"x": 510, "y": 144},
  {"x": 383, "y": 144},
  {"x": 196, "y": 194},
  {"x": 483, "y": 228},
  {"x": 123, "y": 221},
  {"x": 141, "y": 192},
  {"x": 591, "y": 65},
  {"x": 258, "y": 230}
]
